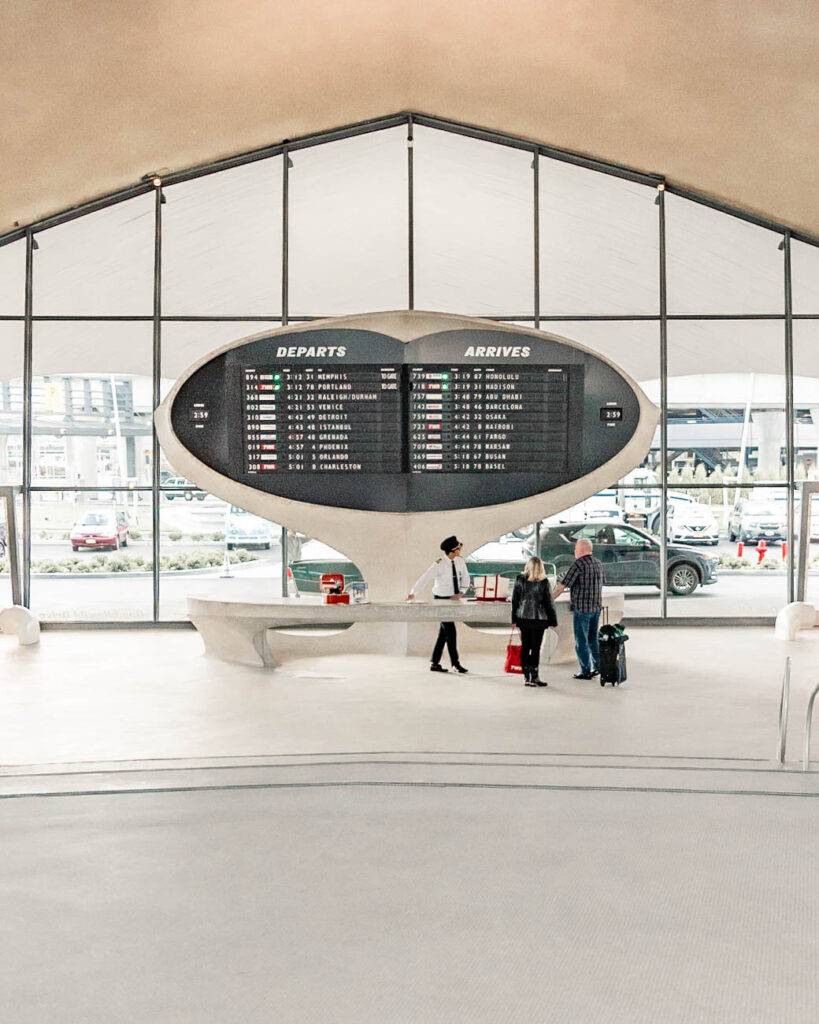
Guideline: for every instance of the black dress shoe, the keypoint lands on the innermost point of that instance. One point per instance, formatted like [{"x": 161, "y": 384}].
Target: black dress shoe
[
  {"x": 437, "y": 668},
  {"x": 595, "y": 672},
  {"x": 583, "y": 675},
  {"x": 460, "y": 668}
]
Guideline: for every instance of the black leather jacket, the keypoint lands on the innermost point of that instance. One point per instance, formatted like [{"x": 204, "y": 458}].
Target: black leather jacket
[{"x": 532, "y": 599}]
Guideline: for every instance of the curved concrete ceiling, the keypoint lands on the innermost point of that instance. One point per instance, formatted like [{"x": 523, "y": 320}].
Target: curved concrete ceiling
[{"x": 718, "y": 96}]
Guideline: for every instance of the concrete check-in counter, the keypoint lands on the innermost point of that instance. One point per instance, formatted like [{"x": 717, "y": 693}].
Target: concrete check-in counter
[{"x": 273, "y": 631}]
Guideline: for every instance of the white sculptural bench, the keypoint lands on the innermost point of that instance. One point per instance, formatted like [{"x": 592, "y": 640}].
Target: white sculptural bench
[{"x": 270, "y": 632}]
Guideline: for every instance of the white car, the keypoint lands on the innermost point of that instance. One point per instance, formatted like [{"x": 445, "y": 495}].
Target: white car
[
  {"x": 755, "y": 520},
  {"x": 687, "y": 521},
  {"x": 191, "y": 491},
  {"x": 691, "y": 523},
  {"x": 602, "y": 505},
  {"x": 244, "y": 530}
]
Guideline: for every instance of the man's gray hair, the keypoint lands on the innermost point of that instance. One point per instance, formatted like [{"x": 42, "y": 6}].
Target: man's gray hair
[{"x": 584, "y": 547}]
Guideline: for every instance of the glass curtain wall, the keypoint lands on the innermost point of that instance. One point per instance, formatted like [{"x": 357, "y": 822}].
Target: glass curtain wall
[
  {"x": 221, "y": 280},
  {"x": 713, "y": 315},
  {"x": 91, "y": 416}
]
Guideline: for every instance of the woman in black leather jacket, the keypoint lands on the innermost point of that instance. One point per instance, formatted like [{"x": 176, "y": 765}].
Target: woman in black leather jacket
[{"x": 532, "y": 612}]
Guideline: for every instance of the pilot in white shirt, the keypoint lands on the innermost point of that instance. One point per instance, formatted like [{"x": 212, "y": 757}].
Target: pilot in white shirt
[{"x": 450, "y": 579}]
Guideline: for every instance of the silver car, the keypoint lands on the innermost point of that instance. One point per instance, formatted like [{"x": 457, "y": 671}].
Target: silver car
[{"x": 754, "y": 520}]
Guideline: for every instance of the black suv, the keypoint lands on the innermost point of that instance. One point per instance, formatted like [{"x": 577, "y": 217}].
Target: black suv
[{"x": 630, "y": 556}]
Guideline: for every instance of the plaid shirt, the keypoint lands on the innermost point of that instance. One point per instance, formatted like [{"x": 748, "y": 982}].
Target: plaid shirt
[{"x": 584, "y": 580}]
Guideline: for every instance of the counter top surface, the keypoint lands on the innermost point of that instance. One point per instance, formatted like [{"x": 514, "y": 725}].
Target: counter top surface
[{"x": 311, "y": 609}]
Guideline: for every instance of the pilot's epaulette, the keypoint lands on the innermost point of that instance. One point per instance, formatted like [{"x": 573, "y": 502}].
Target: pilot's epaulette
[{"x": 437, "y": 560}]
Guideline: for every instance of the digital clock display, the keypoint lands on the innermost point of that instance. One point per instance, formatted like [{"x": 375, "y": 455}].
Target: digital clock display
[{"x": 611, "y": 413}]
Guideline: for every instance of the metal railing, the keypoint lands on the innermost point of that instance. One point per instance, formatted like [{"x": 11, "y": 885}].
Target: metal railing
[
  {"x": 808, "y": 717},
  {"x": 784, "y": 700}
]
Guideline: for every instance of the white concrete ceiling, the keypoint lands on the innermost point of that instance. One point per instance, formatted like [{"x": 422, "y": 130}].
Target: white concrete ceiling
[{"x": 718, "y": 96}]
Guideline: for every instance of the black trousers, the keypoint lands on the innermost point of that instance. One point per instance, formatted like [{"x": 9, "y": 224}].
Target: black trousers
[
  {"x": 531, "y": 637},
  {"x": 446, "y": 637}
]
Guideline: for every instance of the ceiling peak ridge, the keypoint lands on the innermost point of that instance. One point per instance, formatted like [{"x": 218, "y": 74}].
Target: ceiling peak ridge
[{"x": 146, "y": 182}]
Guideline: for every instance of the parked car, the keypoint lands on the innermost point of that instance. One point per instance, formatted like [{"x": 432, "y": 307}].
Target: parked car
[
  {"x": 100, "y": 529},
  {"x": 191, "y": 491},
  {"x": 752, "y": 520},
  {"x": 813, "y": 517},
  {"x": 244, "y": 530},
  {"x": 505, "y": 558},
  {"x": 603, "y": 505},
  {"x": 687, "y": 523},
  {"x": 630, "y": 556}
]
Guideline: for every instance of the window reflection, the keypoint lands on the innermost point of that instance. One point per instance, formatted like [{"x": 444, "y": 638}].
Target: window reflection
[
  {"x": 474, "y": 237},
  {"x": 101, "y": 264},
  {"x": 11, "y": 403},
  {"x": 91, "y": 555}
]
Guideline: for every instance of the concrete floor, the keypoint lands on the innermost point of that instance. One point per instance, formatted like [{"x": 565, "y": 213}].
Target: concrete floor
[{"x": 358, "y": 840}]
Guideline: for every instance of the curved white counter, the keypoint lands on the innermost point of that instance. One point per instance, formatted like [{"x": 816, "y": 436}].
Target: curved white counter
[{"x": 269, "y": 632}]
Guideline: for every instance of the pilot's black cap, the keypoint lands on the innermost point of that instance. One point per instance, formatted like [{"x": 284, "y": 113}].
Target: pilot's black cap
[{"x": 449, "y": 544}]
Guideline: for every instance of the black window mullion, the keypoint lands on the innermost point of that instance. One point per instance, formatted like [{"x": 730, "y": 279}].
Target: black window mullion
[
  {"x": 789, "y": 414},
  {"x": 663, "y": 406},
  {"x": 28, "y": 378},
  {"x": 157, "y": 380}
]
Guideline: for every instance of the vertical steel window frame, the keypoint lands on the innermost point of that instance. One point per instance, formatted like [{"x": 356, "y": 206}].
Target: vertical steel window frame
[
  {"x": 663, "y": 284},
  {"x": 285, "y": 314},
  {"x": 790, "y": 435},
  {"x": 410, "y": 215},
  {"x": 285, "y": 236},
  {"x": 536, "y": 229},
  {"x": 157, "y": 381},
  {"x": 28, "y": 434}
]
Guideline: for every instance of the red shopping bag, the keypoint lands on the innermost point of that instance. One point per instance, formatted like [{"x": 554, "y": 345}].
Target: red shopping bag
[{"x": 513, "y": 650}]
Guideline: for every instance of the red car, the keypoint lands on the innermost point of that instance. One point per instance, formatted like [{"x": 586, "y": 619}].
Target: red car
[{"x": 100, "y": 530}]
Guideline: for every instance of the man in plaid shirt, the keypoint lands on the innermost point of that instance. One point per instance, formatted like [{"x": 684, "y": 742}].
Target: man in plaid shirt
[{"x": 584, "y": 580}]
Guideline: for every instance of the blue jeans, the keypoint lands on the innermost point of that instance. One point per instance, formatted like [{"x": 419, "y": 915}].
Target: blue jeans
[{"x": 585, "y": 641}]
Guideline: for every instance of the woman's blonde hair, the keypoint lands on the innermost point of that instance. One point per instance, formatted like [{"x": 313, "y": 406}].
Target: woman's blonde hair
[{"x": 533, "y": 570}]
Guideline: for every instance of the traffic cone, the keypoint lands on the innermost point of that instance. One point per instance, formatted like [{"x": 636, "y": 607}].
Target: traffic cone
[
  {"x": 740, "y": 549},
  {"x": 761, "y": 549},
  {"x": 784, "y": 550}
]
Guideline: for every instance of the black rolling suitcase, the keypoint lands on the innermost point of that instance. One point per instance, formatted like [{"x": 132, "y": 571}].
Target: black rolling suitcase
[{"x": 612, "y": 641}]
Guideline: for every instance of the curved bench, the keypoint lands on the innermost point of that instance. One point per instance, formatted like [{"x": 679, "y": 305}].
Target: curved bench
[
  {"x": 793, "y": 617},
  {"x": 22, "y": 622},
  {"x": 270, "y": 632}
]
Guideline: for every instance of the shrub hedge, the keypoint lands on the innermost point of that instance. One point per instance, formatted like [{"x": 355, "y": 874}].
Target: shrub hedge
[{"x": 120, "y": 562}]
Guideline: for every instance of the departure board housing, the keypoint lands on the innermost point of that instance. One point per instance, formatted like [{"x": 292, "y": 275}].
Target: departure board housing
[{"x": 354, "y": 418}]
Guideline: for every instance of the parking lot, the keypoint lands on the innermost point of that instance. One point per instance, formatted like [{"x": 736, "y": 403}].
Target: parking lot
[{"x": 188, "y": 528}]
